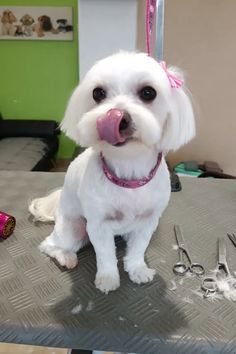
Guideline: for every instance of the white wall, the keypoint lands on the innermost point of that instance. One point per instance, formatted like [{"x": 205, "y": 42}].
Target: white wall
[{"x": 105, "y": 27}]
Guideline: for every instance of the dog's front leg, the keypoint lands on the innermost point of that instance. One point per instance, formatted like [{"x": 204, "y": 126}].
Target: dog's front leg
[
  {"x": 134, "y": 263},
  {"x": 107, "y": 277}
]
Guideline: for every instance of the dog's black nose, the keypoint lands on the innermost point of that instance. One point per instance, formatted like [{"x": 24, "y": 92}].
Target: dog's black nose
[{"x": 125, "y": 124}]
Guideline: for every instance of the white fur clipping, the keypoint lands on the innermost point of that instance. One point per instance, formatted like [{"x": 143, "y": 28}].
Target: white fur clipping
[
  {"x": 187, "y": 299},
  {"x": 227, "y": 287},
  {"x": 173, "y": 286},
  {"x": 77, "y": 309},
  {"x": 90, "y": 306}
]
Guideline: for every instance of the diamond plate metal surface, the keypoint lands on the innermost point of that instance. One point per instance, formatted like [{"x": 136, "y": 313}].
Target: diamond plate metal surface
[{"x": 44, "y": 305}]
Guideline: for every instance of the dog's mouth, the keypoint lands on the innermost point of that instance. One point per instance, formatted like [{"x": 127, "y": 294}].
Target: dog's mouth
[
  {"x": 115, "y": 127},
  {"x": 128, "y": 140}
]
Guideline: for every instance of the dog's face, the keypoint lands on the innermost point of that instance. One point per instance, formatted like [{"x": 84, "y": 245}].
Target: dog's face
[
  {"x": 27, "y": 20},
  {"x": 62, "y": 21},
  {"x": 125, "y": 103},
  {"x": 44, "y": 18},
  {"x": 45, "y": 22},
  {"x": 8, "y": 17}
]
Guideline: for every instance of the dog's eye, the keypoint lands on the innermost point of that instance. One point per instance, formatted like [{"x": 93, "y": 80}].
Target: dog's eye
[
  {"x": 147, "y": 94},
  {"x": 99, "y": 94}
]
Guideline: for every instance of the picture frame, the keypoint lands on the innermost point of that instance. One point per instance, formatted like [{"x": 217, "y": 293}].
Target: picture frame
[{"x": 36, "y": 23}]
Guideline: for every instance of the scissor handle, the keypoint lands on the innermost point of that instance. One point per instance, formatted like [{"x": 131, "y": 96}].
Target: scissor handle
[
  {"x": 180, "y": 268},
  {"x": 196, "y": 268},
  {"x": 209, "y": 286}
]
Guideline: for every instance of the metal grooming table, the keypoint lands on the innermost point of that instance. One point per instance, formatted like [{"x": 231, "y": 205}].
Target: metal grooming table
[{"x": 41, "y": 304}]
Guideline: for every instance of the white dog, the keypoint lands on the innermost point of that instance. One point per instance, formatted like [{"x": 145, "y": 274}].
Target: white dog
[{"x": 129, "y": 112}]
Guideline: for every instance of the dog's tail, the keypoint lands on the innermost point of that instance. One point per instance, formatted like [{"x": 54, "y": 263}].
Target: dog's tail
[{"x": 44, "y": 209}]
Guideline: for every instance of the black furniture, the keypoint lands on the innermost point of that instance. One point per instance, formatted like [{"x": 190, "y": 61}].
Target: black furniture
[{"x": 28, "y": 145}]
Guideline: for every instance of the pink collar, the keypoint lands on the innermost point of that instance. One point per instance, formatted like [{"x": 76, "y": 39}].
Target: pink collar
[{"x": 132, "y": 183}]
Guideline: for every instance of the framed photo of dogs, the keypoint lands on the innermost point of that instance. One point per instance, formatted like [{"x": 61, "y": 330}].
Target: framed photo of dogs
[{"x": 36, "y": 23}]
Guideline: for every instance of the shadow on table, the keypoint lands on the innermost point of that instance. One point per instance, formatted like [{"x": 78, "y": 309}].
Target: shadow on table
[{"x": 135, "y": 318}]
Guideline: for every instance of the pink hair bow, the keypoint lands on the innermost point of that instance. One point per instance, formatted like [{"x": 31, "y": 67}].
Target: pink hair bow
[{"x": 174, "y": 81}]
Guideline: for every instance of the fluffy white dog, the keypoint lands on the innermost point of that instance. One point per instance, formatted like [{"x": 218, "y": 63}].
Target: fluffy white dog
[{"x": 129, "y": 114}]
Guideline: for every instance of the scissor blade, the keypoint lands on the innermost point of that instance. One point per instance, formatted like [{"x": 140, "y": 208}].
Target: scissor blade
[
  {"x": 232, "y": 239},
  {"x": 221, "y": 251},
  {"x": 179, "y": 236}
]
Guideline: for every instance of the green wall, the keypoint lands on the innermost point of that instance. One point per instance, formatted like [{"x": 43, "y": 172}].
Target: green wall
[{"x": 37, "y": 77}]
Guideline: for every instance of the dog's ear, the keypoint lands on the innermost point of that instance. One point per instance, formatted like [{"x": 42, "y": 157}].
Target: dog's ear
[
  {"x": 5, "y": 17},
  {"x": 179, "y": 127},
  {"x": 74, "y": 112},
  {"x": 12, "y": 17}
]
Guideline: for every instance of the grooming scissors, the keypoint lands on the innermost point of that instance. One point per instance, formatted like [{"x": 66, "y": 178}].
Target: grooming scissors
[
  {"x": 182, "y": 267},
  {"x": 209, "y": 284}
]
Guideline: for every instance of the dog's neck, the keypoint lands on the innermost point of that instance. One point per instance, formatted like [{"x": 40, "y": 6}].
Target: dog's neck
[
  {"x": 131, "y": 168},
  {"x": 130, "y": 183}
]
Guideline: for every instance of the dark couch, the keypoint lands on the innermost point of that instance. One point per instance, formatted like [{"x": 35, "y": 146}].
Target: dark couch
[{"x": 28, "y": 145}]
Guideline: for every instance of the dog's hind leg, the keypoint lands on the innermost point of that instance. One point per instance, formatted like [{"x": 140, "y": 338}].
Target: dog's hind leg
[
  {"x": 134, "y": 263},
  {"x": 68, "y": 236}
]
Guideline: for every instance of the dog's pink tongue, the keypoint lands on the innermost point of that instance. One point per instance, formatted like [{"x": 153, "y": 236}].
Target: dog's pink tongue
[{"x": 108, "y": 126}]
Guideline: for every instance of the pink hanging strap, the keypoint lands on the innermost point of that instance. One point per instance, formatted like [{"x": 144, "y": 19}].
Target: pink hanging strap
[{"x": 150, "y": 16}]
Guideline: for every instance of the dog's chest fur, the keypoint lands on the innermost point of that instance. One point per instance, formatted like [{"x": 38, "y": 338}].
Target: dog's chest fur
[{"x": 98, "y": 198}]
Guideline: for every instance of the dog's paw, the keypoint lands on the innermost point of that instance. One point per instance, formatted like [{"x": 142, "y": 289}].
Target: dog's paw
[
  {"x": 65, "y": 258},
  {"x": 142, "y": 274},
  {"x": 107, "y": 282}
]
